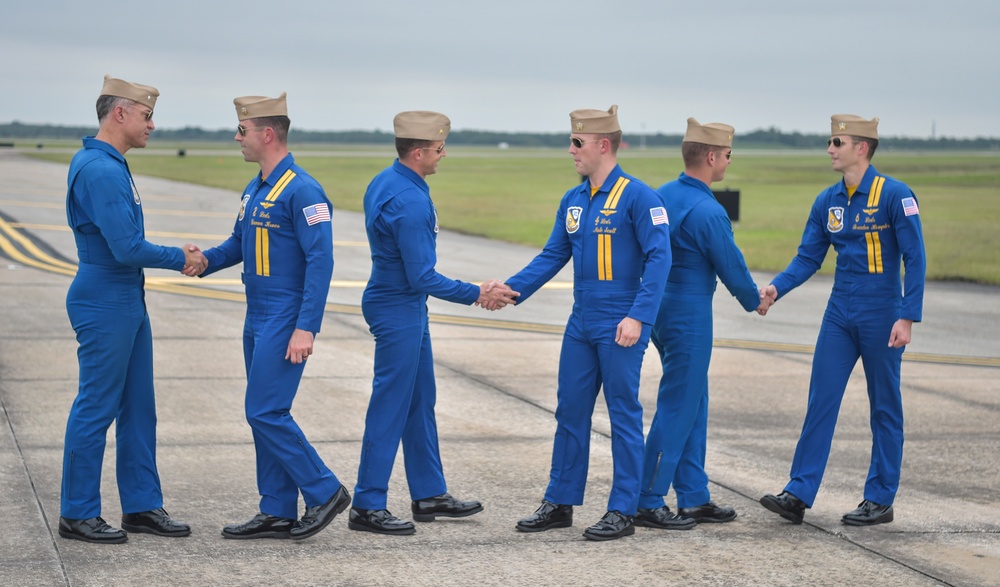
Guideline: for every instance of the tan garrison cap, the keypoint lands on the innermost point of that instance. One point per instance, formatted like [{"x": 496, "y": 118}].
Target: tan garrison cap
[
  {"x": 136, "y": 92},
  {"x": 595, "y": 121},
  {"x": 260, "y": 106},
  {"x": 855, "y": 126},
  {"x": 713, "y": 133},
  {"x": 422, "y": 125}
]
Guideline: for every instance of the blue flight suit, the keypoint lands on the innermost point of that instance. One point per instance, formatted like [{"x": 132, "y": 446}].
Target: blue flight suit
[
  {"x": 702, "y": 247},
  {"x": 107, "y": 308},
  {"x": 871, "y": 230},
  {"x": 619, "y": 241},
  {"x": 284, "y": 238},
  {"x": 402, "y": 228}
]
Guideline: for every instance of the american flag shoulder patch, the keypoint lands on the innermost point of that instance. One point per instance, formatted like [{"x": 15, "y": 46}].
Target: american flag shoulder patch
[
  {"x": 659, "y": 215},
  {"x": 910, "y": 206},
  {"x": 316, "y": 213}
]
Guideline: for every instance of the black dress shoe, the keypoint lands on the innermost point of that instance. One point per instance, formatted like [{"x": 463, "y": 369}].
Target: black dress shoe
[
  {"x": 662, "y": 517},
  {"x": 868, "y": 513},
  {"x": 425, "y": 510},
  {"x": 318, "y": 517},
  {"x": 378, "y": 521},
  {"x": 548, "y": 515},
  {"x": 260, "y": 526},
  {"x": 91, "y": 530},
  {"x": 157, "y": 522},
  {"x": 709, "y": 512},
  {"x": 613, "y": 525},
  {"x": 785, "y": 505}
]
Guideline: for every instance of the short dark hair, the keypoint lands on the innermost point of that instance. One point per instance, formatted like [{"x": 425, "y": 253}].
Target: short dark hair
[
  {"x": 280, "y": 124},
  {"x": 872, "y": 145},
  {"x": 615, "y": 138},
  {"x": 404, "y": 146},
  {"x": 693, "y": 152},
  {"x": 105, "y": 104}
]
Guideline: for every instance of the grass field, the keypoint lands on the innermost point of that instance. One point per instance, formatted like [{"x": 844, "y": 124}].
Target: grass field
[{"x": 512, "y": 195}]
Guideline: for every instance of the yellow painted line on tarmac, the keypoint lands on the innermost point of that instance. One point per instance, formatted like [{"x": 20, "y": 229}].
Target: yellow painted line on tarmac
[
  {"x": 156, "y": 233},
  {"x": 167, "y": 234},
  {"x": 11, "y": 239},
  {"x": 38, "y": 259},
  {"x": 762, "y": 346},
  {"x": 808, "y": 349},
  {"x": 338, "y": 283},
  {"x": 146, "y": 211},
  {"x": 60, "y": 206},
  {"x": 496, "y": 324},
  {"x": 233, "y": 281}
]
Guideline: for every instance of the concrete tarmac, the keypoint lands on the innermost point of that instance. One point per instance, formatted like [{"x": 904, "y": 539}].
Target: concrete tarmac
[{"x": 496, "y": 376}]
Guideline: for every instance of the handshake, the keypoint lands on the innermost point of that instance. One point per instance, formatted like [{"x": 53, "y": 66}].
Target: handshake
[
  {"x": 768, "y": 295},
  {"x": 494, "y": 295},
  {"x": 195, "y": 262}
]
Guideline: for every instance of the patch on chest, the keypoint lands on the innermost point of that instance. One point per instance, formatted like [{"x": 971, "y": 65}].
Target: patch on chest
[
  {"x": 573, "y": 218},
  {"x": 243, "y": 205},
  {"x": 835, "y": 219}
]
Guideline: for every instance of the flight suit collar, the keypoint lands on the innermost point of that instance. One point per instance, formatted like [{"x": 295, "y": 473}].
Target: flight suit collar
[
  {"x": 609, "y": 181},
  {"x": 864, "y": 187},
  {"x": 94, "y": 143},
  {"x": 279, "y": 170},
  {"x": 695, "y": 182},
  {"x": 410, "y": 174}
]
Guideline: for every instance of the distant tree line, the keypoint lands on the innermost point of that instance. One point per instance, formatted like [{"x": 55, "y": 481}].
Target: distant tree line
[{"x": 761, "y": 138}]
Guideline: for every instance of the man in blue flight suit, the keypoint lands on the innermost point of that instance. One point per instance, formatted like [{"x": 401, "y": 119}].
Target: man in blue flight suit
[
  {"x": 284, "y": 239},
  {"x": 873, "y": 222},
  {"x": 107, "y": 308},
  {"x": 615, "y": 229},
  {"x": 703, "y": 249},
  {"x": 402, "y": 228}
]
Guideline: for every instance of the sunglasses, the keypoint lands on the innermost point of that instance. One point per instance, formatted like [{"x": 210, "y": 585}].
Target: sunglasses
[
  {"x": 836, "y": 142},
  {"x": 243, "y": 129},
  {"x": 579, "y": 143},
  {"x": 147, "y": 115},
  {"x": 435, "y": 149}
]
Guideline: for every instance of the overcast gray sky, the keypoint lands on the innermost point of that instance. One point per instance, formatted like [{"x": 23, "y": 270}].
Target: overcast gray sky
[{"x": 516, "y": 65}]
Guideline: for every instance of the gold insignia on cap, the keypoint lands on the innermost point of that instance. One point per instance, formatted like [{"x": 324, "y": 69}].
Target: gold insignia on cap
[
  {"x": 854, "y": 125},
  {"x": 136, "y": 92},
  {"x": 595, "y": 121},
  {"x": 260, "y": 106}
]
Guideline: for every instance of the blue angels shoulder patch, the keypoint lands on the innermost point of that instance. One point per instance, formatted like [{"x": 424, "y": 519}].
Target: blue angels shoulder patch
[
  {"x": 243, "y": 205},
  {"x": 835, "y": 219},
  {"x": 573, "y": 218}
]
